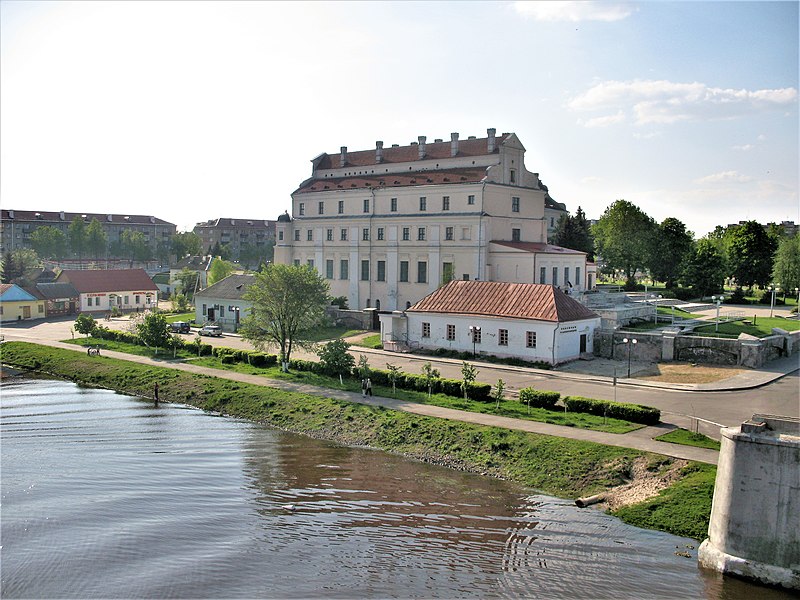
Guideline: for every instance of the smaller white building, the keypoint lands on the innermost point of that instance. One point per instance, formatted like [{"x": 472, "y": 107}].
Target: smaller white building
[
  {"x": 104, "y": 290},
  {"x": 222, "y": 303},
  {"x": 529, "y": 321}
]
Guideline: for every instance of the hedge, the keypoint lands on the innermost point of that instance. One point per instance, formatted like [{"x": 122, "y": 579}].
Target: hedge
[
  {"x": 636, "y": 413},
  {"x": 539, "y": 399}
]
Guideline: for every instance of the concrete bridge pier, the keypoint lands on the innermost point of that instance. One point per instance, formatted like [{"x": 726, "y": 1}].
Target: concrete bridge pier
[{"x": 754, "y": 530}]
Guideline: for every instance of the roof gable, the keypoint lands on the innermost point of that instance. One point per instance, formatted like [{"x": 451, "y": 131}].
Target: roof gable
[
  {"x": 111, "y": 280},
  {"x": 500, "y": 299},
  {"x": 232, "y": 287},
  {"x": 11, "y": 292}
]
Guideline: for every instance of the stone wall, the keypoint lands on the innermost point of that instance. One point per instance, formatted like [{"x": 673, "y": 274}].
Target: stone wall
[{"x": 357, "y": 319}]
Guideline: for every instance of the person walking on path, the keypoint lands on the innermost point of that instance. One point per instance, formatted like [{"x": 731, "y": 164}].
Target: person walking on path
[
  {"x": 364, "y": 388},
  {"x": 368, "y": 387},
  {"x": 155, "y": 393}
]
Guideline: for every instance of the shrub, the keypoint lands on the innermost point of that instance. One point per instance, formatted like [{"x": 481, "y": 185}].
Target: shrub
[
  {"x": 736, "y": 297},
  {"x": 636, "y": 413},
  {"x": 681, "y": 293},
  {"x": 539, "y": 399}
]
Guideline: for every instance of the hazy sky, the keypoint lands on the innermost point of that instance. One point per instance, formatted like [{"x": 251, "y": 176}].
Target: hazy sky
[{"x": 192, "y": 111}]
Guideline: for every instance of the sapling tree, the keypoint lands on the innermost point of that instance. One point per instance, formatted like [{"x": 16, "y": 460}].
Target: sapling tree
[
  {"x": 335, "y": 358},
  {"x": 468, "y": 375},
  {"x": 153, "y": 331},
  {"x": 85, "y": 324},
  {"x": 430, "y": 375},
  {"x": 395, "y": 373},
  {"x": 499, "y": 390}
]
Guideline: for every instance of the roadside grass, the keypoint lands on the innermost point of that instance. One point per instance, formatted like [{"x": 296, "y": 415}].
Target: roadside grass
[
  {"x": 370, "y": 341},
  {"x": 332, "y": 333},
  {"x": 186, "y": 316},
  {"x": 761, "y": 328},
  {"x": 163, "y": 353},
  {"x": 552, "y": 465},
  {"x": 689, "y": 438}
]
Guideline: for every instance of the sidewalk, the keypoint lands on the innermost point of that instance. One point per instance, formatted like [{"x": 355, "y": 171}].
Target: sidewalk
[{"x": 638, "y": 440}]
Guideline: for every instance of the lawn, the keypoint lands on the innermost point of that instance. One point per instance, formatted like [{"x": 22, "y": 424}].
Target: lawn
[
  {"x": 689, "y": 438},
  {"x": 371, "y": 341},
  {"x": 186, "y": 316},
  {"x": 762, "y": 327},
  {"x": 163, "y": 353},
  {"x": 323, "y": 334}
]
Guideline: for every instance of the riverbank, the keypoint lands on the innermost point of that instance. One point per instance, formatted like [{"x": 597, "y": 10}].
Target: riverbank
[{"x": 557, "y": 466}]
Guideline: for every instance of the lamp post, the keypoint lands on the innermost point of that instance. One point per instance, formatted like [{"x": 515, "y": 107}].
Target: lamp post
[
  {"x": 797, "y": 306},
  {"x": 772, "y": 289},
  {"x": 629, "y": 342},
  {"x": 717, "y": 300},
  {"x": 656, "y": 298},
  {"x": 475, "y": 331}
]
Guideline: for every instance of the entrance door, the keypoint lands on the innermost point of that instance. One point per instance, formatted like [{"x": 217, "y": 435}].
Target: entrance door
[
  {"x": 583, "y": 343},
  {"x": 26, "y": 312},
  {"x": 211, "y": 315}
]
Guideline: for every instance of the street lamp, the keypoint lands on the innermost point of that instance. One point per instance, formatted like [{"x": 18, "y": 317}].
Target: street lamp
[
  {"x": 655, "y": 301},
  {"x": 797, "y": 306},
  {"x": 773, "y": 289},
  {"x": 717, "y": 300},
  {"x": 475, "y": 331},
  {"x": 629, "y": 342}
]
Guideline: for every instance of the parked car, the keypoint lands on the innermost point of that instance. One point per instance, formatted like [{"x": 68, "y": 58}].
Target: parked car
[
  {"x": 211, "y": 330},
  {"x": 179, "y": 327}
]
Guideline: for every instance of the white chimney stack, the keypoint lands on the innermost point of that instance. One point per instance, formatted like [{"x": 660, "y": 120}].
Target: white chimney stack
[
  {"x": 421, "y": 140},
  {"x": 453, "y": 144},
  {"x": 343, "y": 156},
  {"x": 490, "y": 146},
  {"x": 378, "y": 151}
]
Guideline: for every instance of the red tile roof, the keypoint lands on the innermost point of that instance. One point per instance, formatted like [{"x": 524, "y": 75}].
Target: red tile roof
[
  {"x": 410, "y": 153},
  {"x": 468, "y": 175},
  {"x": 111, "y": 280},
  {"x": 499, "y": 299},
  {"x": 50, "y": 216},
  {"x": 538, "y": 247}
]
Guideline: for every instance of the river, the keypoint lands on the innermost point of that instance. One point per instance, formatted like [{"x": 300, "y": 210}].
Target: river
[{"x": 106, "y": 496}]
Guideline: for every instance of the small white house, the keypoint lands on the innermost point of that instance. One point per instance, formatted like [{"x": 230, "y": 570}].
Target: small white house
[
  {"x": 222, "y": 303},
  {"x": 530, "y": 321},
  {"x": 104, "y": 290}
]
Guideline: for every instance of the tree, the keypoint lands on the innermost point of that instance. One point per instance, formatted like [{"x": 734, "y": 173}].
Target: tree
[
  {"x": 394, "y": 375},
  {"x": 187, "y": 280},
  {"x": 363, "y": 367},
  {"x": 430, "y": 375},
  {"x": 153, "y": 331},
  {"x": 186, "y": 243},
  {"x": 288, "y": 303},
  {"x": 705, "y": 268},
  {"x": 49, "y": 242},
  {"x": 468, "y": 375},
  {"x": 174, "y": 342},
  {"x": 96, "y": 239},
  {"x": 672, "y": 245},
  {"x": 499, "y": 392},
  {"x": 786, "y": 267},
  {"x": 85, "y": 324},
  {"x": 179, "y": 302},
  {"x": 335, "y": 358},
  {"x": 623, "y": 238},
  {"x": 750, "y": 252},
  {"x": 17, "y": 263},
  {"x": 77, "y": 236},
  {"x": 219, "y": 270},
  {"x": 574, "y": 233},
  {"x": 134, "y": 246}
]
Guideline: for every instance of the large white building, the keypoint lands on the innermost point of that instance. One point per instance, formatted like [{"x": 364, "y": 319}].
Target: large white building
[{"x": 388, "y": 226}]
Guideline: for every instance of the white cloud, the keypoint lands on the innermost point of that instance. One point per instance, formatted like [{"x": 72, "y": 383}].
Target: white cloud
[
  {"x": 573, "y": 11},
  {"x": 725, "y": 177},
  {"x": 743, "y": 147},
  {"x": 648, "y": 135},
  {"x": 603, "y": 121},
  {"x": 664, "y": 102}
]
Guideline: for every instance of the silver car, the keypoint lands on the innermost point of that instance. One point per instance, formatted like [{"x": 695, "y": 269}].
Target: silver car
[{"x": 211, "y": 330}]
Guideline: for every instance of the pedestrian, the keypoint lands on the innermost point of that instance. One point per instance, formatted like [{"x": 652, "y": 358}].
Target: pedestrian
[
  {"x": 364, "y": 387},
  {"x": 155, "y": 393},
  {"x": 369, "y": 387}
]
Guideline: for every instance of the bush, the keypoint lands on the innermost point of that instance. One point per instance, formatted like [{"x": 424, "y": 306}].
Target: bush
[
  {"x": 681, "y": 293},
  {"x": 736, "y": 297},
  {"x": 539, "y": 399},
  {"x": 636, "y": 413}
]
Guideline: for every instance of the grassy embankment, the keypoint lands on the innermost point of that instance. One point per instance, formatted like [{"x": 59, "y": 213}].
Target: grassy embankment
[
  {"x": 557, "y": 466},
  {"x": 689, "y": 438}
]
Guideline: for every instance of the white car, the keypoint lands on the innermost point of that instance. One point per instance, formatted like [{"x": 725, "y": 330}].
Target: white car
[{"x": 211, "y": 330}]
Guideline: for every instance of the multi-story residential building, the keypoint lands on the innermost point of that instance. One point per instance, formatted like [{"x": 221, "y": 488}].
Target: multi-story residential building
[
  {"x": 16, "y": 227},
  {"x": 246, "y": 239},
  {"x": 388, "y": 226}
]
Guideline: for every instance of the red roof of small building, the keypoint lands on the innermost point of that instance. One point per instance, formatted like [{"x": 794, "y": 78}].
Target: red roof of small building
[
  {"x": 538, "y": 247},
  {"x": 500, "y": 299},
  {"x": 466, "y": 175},
  {"x": 111, "y": 280}
]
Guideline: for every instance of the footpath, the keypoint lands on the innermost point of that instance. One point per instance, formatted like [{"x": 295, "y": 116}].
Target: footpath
[{"x": 640, "y": 439}]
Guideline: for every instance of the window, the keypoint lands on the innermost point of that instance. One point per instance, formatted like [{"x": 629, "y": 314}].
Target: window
[
  {"x": 329, "y": 235},
  {"x": 280, "y": 236},
  {"x": 365, "y": 234},
  {"x": 341, "y": 207},
  {"x": 447, "y": 272},
  {"x": 466, "y": 233},
  {"x": 422, "y": 272},
  {"x": 364, "y": 270},
  {"x": 404, "y": 270},
  {"x": 97, "y": 302},
  {"x": 366, "y": 205},
  {"x": 445, "y": 202},
  {"x": 578, "y": 276},
  {"x": 471, "y": 199},
  {"x": 296, "y": 235},
  {"x": 205, "y": 309},
  {"x": 310, "y": 235},
  {"x": 515, "y": 235},
  {"x": 421, "y": 234},
  {"x": 513, "y": 176},
  {"x": 310, "y": 262},
  {"x": 476, "y": 334},
  {"x": 296, "y": 262},
  {"x": 465, "y": 276},
  {"x": 301, "y": 208},
  {"x": 380, "y": 233},
  {"x": 381, "y": 270},
  {"x": 566, "y": 275},
  {"x": 41, "y": 308},
  {"x": 502, "y": 337},
  {"x": 552, "y": 221},
  {"x": 393, "y": 205},
  {"x": 321, "y": 208},
  {"x": 406, "y": 234},
  {"x": 448, "y": 233},
  {"x": 344, "y": 269},
  {"x": 136, "y": 299},
  {"x": 555, "y": 275},
  {"x": 530, "y": 339},
  {"x": 451, "y": 332},
  {"x": 515, "y": 204},
  {"x": 426, "y": 330},
  {"x": 543, "y": 275},
  {"x": 329, "y": 269},
  {"x": 423, "y": 204},
  {"x": 343, "y": 234}
]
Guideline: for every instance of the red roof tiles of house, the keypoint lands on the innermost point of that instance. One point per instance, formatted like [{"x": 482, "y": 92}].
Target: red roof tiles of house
[
  {"x": 499, "y": 299},
  {"x": 112, "y": 280},
  {"x": 468, "y": 175},
  {"x": 68, "y": 217}
]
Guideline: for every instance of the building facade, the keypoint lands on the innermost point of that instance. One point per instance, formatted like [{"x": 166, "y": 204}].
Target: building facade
[
  {"x": 222, "y": 303},
  {"x": 388, "y": 226},
  {"x": 17, "y": 304},
  {"x": 247, "y": 239},
  {"x": 103, "y": 290}
]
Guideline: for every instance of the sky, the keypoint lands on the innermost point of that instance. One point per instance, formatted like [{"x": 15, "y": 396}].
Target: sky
[{"x": 191, "y": 111}]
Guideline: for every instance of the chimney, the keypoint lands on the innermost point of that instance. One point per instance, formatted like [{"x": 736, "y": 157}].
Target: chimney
[
  {"x": 61, "y": 215},
  {"x": 491, "y": 131},
  {"x": 378, "y": 152},
  {"x": 343, "y": 156},
  {"x": 453, "y": 144},
  {"x": 421, "y": 146}
]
